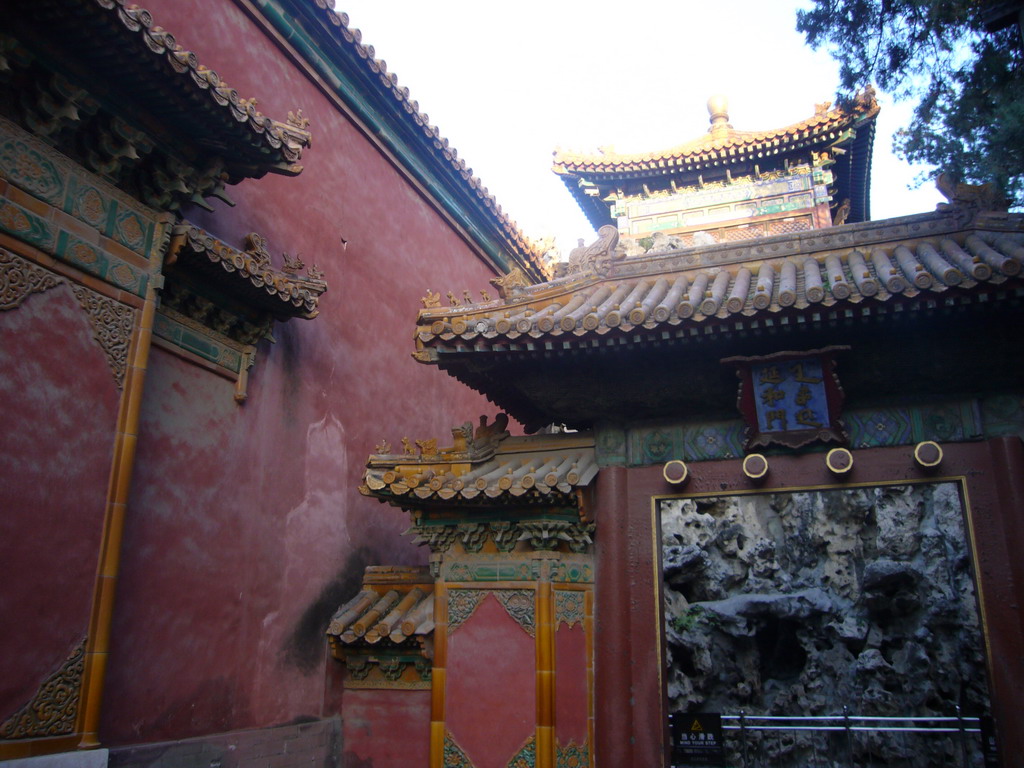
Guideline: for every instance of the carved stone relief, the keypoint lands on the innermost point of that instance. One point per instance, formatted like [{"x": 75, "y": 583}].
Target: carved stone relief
[
  {"x": 461, "y": 605},
  {"x": 53, "y": 709},
  {"x": 519, "y": 605},
  {"x": 112, "y": 324},
  {"x": 19, "y": 278}
]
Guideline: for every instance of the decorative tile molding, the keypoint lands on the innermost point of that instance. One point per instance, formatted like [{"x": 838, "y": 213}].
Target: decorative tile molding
[
  {"x": 454, "y": 757},
  {"x": 569, "y": 607},
  {"x": 20, "y": 277},
  {"x": 569, "y": 569},
  {"x": 462, "y": 603},
  {"x": 26, "y": 226},
  {"x": 43, "y": 172},
  {"x": 386, "y": 669},
  {"x": 526, "y": 757},
  {"x": 518, "y": 603},
  {"x": 950, "y": 421},
  {"x": 186, "y": 333},
  {"x": 112, "y": 324},
  {"x": 572, "y": 755},
  {"x": 52, "y": 711},
  {"x": 540, "y": 534}
]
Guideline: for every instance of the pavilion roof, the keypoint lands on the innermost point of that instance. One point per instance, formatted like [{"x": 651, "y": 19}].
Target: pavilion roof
[
  {"x": 488, "y": 468},
  {"x": 394, "y": 604},
  {"x": 808, "y": 280},
  {"x": 832, "y": 130}
]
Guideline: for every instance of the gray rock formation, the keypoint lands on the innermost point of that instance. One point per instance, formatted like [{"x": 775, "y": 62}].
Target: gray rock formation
[{"x": 801, "y": 603}]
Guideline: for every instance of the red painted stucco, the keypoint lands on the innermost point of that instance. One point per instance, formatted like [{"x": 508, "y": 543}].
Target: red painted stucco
[
  {"x": 490, "y": 697},
  {"x": 570, "y": 684},
  {"x": 386, "y": 729},
  {"x": 58, "y": 404},
  {"x": 245, "y": 528}
]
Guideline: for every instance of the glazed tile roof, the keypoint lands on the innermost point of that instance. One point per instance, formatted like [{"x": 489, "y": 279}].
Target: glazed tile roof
[
  {"x": 395, "y": 604},
  {"x": 722, "y": 147},
  {"x": 136, "y": 56},
  {"x": 524, "y": 470},
  {"x": 720, "y": 289},
  {"x": 248, "y": 276}
]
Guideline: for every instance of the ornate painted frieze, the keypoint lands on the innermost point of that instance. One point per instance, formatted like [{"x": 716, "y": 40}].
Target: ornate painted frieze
[
  {"x": 944, "y": 421},
  {"x": 569, "y": 607},
  {"x": 462, "y": 603},
  {"x": 386, "y": 670},
  {"x": 538, "y": 534},
  {"x": 499, "y": 567},
  {"x": 518, "y": 603},
  {"x": 52, "y": 710},
  {"x": 112, "y": 323},
  {"x": 526, "y": 757},
  {"x": 454, "y": 757},
  {"x": 572, "y": 755},
  {"x": 19, "y": 278},
  {"x": 194, "y": 337},
  {"x": 40, "y": 170}
]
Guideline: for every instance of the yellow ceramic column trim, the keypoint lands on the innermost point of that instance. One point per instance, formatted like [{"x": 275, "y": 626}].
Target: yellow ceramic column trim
[
  {"x": 437, "y": 675},
  {"x": 125, "y": 437},
  {"x": 588, "y": 634},
  {"x": 545, "y": 635}
]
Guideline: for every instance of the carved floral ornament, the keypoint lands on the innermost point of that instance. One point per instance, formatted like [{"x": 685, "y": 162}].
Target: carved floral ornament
[
  {"x": 54, "y": 707},
  {"x": 112, "y": 322}
]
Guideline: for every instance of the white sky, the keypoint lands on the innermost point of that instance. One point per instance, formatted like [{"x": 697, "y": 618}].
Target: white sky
[{"x": 506, "y": 83}]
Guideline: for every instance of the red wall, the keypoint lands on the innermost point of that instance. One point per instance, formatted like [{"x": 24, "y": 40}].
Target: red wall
[
  {"x": 386, "y": 729},
  {"x": 245, "y": 529},
  {"x": 58, "y": 405}
]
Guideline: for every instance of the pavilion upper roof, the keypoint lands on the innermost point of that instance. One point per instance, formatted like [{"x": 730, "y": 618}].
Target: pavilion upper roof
[
  {"x": 841, "y": 137},
  {"x": 723, "y": 144}
]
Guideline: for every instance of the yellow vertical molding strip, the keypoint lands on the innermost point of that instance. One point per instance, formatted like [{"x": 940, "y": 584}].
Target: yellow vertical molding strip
[
  {"x": 125, "y": 437},
  {"x": 437, "y": 675},
  {"x": 545, "y": 637},
  {"x": 588, "y": 634}
]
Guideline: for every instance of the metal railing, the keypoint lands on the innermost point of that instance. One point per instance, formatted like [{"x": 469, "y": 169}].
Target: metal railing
[{"x": 846, "y": 740}]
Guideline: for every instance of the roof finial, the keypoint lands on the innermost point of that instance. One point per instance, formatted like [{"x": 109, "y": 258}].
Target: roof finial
[{"x": 718, "y": 108}]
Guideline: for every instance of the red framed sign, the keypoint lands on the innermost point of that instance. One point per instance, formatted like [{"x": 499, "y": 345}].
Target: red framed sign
[{"x": 791, "y": 398}]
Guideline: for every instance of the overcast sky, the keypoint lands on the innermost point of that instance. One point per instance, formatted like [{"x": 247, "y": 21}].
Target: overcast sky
[{"x": 507, "y": 83}]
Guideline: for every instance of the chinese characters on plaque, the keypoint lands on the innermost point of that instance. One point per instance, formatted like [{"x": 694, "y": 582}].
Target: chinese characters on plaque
[{"x": 790, "y": 398}]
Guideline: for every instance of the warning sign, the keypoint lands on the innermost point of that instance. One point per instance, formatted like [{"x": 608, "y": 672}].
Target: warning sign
[{"x": 696, "y": 739}]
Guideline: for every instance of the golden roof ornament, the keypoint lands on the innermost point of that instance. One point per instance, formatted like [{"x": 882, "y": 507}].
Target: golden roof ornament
[
  {"x": 510, "y": 284},
  {"x": 431, "y": 300},
  {"x": 718, "y": 109}
]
